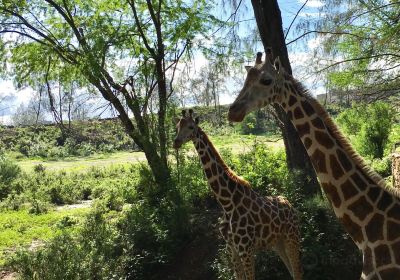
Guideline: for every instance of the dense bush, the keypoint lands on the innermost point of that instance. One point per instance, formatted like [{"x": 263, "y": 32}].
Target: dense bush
[
  {"x": 136, "y": 231},
  {"x": 257, "y": 123},
  {"x": 83, "y": 139},
  {"x": 9, "y": 171},
  {"x": 370, "y": 126}
]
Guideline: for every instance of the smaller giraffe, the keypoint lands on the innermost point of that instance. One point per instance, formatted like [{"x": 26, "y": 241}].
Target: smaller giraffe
[{"x": 250, "y": 222}]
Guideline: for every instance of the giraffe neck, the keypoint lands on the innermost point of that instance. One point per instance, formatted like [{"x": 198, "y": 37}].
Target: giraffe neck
[
  {"x": 224, "y": 183},
  {"x": 359, "y": 198}
]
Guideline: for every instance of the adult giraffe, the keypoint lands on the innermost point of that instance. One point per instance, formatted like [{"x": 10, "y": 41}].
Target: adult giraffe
[
  {"x": 250, "y": 222},
  {"x": 368, "y": 209}
]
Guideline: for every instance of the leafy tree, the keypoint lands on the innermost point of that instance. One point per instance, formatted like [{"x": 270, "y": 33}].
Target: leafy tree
[
  {"x": 362, "y": 37},
  {"x": 370, "y": 125},
  {"x": 127, "y": 51}
]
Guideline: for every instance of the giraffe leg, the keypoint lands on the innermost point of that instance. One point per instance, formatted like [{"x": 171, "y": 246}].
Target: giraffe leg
[
  {"x": 236, "y": 262},
  {"x": 292, "y": 250},
  {"x": 248, "y": 262},
  {"x": 280, "y": 250}
]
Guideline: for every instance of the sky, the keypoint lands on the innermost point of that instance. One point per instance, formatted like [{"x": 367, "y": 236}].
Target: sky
[{"x": 298, "y": 59}]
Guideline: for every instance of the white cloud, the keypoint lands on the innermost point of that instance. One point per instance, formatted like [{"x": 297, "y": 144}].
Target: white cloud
[
  {"x": 314, "y": 3},
  {"x": 314, "y": 43}
]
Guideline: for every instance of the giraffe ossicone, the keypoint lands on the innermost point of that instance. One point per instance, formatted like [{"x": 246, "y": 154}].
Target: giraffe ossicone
[
  {"x": 250, "y": 222},
  {"x": 364, "y": 204}
]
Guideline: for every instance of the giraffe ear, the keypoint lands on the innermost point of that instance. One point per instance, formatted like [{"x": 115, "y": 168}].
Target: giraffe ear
[
  {"x": 277, "y": 64},
  {"x": 269, "y": 55},
  {"x": 196, "y": 120},
  {"x": 259, "y": 58},
  {"x": 247, "y": 68}
]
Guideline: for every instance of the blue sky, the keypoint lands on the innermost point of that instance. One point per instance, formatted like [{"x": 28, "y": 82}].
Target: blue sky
[{"x": 298, "y": 58}]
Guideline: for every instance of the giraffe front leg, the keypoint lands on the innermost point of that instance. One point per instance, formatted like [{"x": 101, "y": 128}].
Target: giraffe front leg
[
  {"x": 236, "y": 263},
  {"x": 248, "y": 262},
  {"x": 292, "y": 250}
]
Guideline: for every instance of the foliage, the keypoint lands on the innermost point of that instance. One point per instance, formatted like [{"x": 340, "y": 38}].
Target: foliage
[
  {"x": 370, "y": 125},
  {"x": 126, "y": 51},
  {"x": 90, "y": 254},
  {"x": 85, "y": 138},
  {"x": 19, "y": 229},
  {"x": 9, "y": 171},
  {"x": 361, "y": 34},
  {"x": 134, "y": 233}
]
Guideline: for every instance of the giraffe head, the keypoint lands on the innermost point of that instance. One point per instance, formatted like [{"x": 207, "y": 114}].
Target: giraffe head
[
  {"x": 186, "y": 128},
  {"x": 259, "y": 87}
]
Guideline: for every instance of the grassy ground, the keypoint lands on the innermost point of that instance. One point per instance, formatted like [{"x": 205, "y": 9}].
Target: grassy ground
[
  {"x": 77, "y": 164},
  {"x": 19, "y": 228},
  {"x": 237, "y": 143}
]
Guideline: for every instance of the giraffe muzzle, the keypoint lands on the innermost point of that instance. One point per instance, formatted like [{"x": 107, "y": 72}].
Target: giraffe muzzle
[{"x": 236, "y": 113}]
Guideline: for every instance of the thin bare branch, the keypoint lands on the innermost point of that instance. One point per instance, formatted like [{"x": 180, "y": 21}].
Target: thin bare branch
[
  {"x": 357, "y": 59},
  {"x": 140, "y": 28},
  {"x": 324, "y": 33},
  {"x": 297, "y": 14}
]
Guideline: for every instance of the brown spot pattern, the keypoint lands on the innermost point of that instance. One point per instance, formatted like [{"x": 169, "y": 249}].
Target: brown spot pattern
[
  {"x": 332, "y": 193},
  {"x": 337, "y": 170},
  {"x": 361, "y": 208},
  {"x": 390, "y": 273},
  {"x": 393, "y": 230},
  {"x": 307, "y": 108},
  {"x": 205, "y": 159},
  {"x": 344, "y": 160},
  {"x": 292, "y": 100},
  {"x": 214, "y": 169},
  {"x": 318, "y": 160},
  {"x": 317, "y": 123},
  {"x": 394, "y": 212},
  {"x": 348, "y": 190},
  {"x": 297, "y": 113},
  {"x": 303, "y": 129},
  {"x": 307, "y": 142},
  {"x": 373, "y": 193},
  {"x": 382, "y": 255},
  {"x": 385, "y": 201},
  {"x": 352, "y": 228},
  {"x": 396, "y": 251},
  {"x": 368, "y": 262},
  {"x": 374, "y": 229},
  {"x": 324, "y": 139}
]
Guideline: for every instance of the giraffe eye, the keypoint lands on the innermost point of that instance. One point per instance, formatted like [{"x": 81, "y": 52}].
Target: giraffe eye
[{"x": 265, "y": 81}]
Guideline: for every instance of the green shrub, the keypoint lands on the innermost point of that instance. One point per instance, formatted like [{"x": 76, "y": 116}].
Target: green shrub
[
  {"x": 382, "y": 166},
  {"x": 370, "y": 125},
  {"x": 9, "y": 171},
  {"x": 90, "y": 253}
]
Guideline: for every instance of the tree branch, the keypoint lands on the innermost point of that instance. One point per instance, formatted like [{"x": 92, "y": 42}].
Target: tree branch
[
  {"x": 357, "y": 59},
  {"x": 298, "y": 12},
  {"x": 324, "y": 33},
  {"x": 140, "y": 29}
]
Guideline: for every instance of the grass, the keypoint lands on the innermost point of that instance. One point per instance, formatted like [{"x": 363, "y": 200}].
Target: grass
[
  {"x": 81, "y": 164},
  {"x": 19, "y": 228},
  {"x": 237, "y": 143}
]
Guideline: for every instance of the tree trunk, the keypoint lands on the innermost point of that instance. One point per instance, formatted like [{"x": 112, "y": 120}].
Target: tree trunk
[{"x": 269, "y": 22}]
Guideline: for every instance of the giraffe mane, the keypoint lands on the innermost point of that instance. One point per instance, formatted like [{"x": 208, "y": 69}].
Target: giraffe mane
[
  {"x": 339, "y": 136},
  {"x": 231, "y": 174}
]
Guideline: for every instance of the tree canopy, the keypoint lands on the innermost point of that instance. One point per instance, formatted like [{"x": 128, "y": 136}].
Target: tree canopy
[{"x": 360, "y": 40}]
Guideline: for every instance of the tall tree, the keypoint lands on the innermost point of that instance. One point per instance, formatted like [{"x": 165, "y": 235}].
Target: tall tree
[
  {"x": 361, "y": 39},
  {"x": 269, "y": 22},
  {"x": 128, "y": 51}
]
